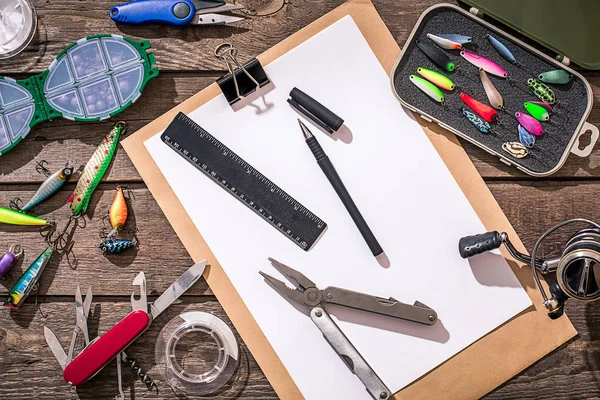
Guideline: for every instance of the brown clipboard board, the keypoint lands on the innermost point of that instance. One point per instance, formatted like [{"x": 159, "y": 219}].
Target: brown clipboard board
[{"x": 472, "y": 373}]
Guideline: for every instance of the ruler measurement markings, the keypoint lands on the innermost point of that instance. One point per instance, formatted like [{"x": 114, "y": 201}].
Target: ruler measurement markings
[{"x": 267, "y": 211}]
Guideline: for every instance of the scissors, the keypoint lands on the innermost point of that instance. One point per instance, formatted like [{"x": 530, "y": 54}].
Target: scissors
[
  {"x": 175, "y": 12},
  {"x": 307, "y": 294}
]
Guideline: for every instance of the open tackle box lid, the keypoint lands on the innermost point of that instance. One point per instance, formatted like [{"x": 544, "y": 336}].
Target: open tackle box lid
[{"x": 569, "y": 28}]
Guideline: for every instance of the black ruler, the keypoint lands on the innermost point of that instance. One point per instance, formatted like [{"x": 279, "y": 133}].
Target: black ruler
[{"x": 243, "y": 181}]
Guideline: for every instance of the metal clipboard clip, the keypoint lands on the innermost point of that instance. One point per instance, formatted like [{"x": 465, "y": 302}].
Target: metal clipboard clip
[{"x": 241, "y": 80}]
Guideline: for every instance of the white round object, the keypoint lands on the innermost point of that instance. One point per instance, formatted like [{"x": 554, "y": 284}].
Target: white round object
[{"x": 18, "y": 23}]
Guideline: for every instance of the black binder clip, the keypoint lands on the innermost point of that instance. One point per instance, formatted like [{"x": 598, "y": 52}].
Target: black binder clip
[{"x": 241, "y": 81}]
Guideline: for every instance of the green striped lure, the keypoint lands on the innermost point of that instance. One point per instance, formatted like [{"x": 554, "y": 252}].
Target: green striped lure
[
  {"x": 438, "y": 79},
  {"x": 428, "y": 88},
  {"x": 8, "y": 216},
  {"x": 95, "y": 169},
  {"x": 28, "y": 281}
]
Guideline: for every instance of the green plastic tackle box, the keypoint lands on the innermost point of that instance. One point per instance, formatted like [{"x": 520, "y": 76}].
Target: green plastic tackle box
[
  {"x": 91, "y": 80},
  {"x": 568, "y": 28}
]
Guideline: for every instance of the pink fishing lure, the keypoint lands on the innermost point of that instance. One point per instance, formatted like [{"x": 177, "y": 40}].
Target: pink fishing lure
[
  {"x": 481, "y": 62},
  {"x": 530, "y": 124}
]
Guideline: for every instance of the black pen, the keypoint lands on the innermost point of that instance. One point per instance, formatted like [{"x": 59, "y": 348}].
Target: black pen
[{"x": 335, "y": 180}]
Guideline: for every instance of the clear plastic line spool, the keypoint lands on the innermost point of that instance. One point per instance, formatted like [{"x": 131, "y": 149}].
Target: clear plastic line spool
[
  {"x": 172, "y": 365},
  {"x": 18, "y": 23}
]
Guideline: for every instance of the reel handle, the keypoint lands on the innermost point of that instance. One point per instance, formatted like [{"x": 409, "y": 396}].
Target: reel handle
[{"x": 470, "y": 246}]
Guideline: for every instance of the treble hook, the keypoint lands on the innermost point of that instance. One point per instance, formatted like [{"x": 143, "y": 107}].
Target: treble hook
[
  {"x": 14, "y": 204},
  {"x": 40, "y": 168},
  {"x": 130, "y": 193}
]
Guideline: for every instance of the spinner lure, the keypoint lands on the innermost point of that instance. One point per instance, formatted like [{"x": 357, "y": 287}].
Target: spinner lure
[
  {"x": 502, "y": 49},
  {"x": 49, "y": 187},
  {"x": 542, "y": 91},
  {"x": 526, "y": 138},
  {"x": 483, "y": 110},
  {"x": 531, "y": 124},
  {"x": 481, "y": 62},
  {"x": 492, "y": 93},
  {"x": 428, "y": 88},
  {"x": 444, "y": 43},
  {"x": 462, "y": 39},
  {"x": 436, "y": 55},
  {"x": 515, "y": 149},
  {"x": 480, "y": 124},
  {"x": 438, "y": 79},
  {"x": 7, "y": 260},
  {"x": 558, "y": 77},
  {"x": 8, "y": 216},
  {"x": 28, "y": 281},
  {"x": 537, "y": 111},
  {"x": 95, "y": 169}
]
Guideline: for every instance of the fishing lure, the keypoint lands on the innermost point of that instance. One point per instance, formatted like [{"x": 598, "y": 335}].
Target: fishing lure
[
  {"x": 8, "y": 216},
  {"x": 28, "y": 281},
  {"x": 492, "y": 93},
  {"x": 480, "y": 124},
  {"x": 526, "y": 138},
  {"x": 444, "y": 43},
  {"x": 436, "y": 78},
  {"x": 558, "y": 76},
  {"x": 117, "y": 245},
  {"x": 95, "y": 169},
  {"x": 436, "y": 55},
  {"x": 543, "y": 104},
  {"x": 502, "y": 49},
  {"x": 515, "y": 149},
  {"x": 542, "y": 91},
  {"x": 47, "y": 189},
  {"x": 462, "y": 39},
  {"x": 428, "y": 88},
  {"x": 538, "y": 112},
  {"x": 481, "y": 62},
  {"x": 118, "y": 212},
  {"x": 531, "y": 124},
  {"x": 7, "y": 260},
  {"x": 483, "y": 110}
]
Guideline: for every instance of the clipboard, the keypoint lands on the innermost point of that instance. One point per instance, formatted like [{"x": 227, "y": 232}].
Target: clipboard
[{"x": 496, "y": 357}]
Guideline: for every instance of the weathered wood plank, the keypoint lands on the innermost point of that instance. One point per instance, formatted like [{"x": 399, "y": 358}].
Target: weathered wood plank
[
  {"x": 532, "y": 206},
  {"x": 30, "y": 371},
  {"x": 176, "y": 49},
  {"x": 60, "y": 140}
]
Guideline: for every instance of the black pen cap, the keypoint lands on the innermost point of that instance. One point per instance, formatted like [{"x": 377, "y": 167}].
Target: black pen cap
[{"x": 315, "y": 111}]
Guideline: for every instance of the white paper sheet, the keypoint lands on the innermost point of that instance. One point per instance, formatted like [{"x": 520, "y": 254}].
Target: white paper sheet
[{"x": 404, "y": 191}]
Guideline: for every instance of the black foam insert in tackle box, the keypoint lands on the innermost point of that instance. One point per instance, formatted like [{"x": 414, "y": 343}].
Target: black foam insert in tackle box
[{"x": 567, "y": 122}]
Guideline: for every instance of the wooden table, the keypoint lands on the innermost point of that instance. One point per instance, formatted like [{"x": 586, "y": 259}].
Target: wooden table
[{"x": 27, "y": 367}]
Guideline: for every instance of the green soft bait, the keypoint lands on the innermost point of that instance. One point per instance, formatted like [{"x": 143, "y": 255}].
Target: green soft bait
[
  {"x": 536, "y": 111},
  {"x": 428, "y": 88},
  {"x": 91, "y": 80},
  {"x": 438, "y": 79}
]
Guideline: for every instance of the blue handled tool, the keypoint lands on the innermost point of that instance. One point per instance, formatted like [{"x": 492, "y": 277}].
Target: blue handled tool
[{"x": 175, "y": 12}]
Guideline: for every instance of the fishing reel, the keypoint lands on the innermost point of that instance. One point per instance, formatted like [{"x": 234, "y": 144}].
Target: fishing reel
[{"x": 574, "y": 274}]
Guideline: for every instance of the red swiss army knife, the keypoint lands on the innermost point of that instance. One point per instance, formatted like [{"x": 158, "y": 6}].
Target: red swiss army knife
[{"x": 100, "y": 351}]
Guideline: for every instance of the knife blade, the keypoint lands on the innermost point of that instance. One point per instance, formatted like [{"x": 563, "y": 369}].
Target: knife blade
[
  {"x": 81, "y": 318},
  {"x": 55, "y": 347},
  {"x": 183, "y": 283}
]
